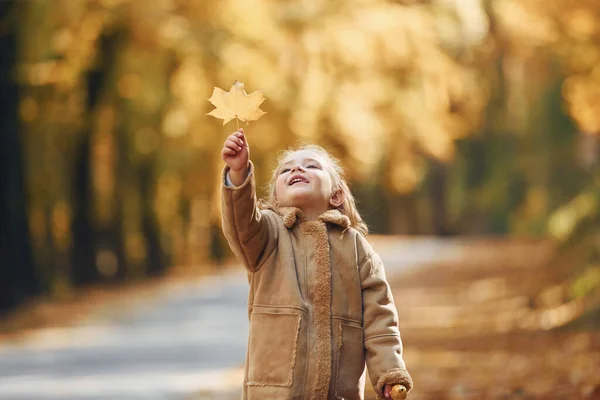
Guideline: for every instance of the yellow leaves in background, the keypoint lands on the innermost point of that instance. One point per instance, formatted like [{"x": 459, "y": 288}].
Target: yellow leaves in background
[
  {"x": 176, "y": 123},
  {"x": 406, "y": 175},
  {"x": 587, "y": 282},
  {"x": 566, "y": 219},
  {"x": 236, "y": 104},
  {"x": 568, "y": 30},
  {"x": 525, "y": 24},
  {"x": 579, "y": 23},
  {"x": 359, "y": 125},
  {"x": 251, "y": 19},
  {"x": 168, "y": 193},
  {"x": 129, "y": 86},
  {"x": 187, "y": 82},
  {"x": 582, "y": 93}
]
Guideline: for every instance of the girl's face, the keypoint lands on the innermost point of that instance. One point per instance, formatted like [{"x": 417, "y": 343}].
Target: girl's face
[{"x": 304, "y": 181}]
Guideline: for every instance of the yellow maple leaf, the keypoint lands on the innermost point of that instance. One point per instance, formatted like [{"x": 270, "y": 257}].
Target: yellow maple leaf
[{"x": 236, "y": 104}]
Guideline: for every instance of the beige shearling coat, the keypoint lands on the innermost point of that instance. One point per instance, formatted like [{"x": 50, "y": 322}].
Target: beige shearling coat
[{"x": 319, "y": 304}]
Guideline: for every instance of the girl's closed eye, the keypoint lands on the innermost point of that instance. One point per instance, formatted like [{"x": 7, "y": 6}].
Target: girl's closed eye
[
  {"x": 283, "y": 171},
  {"x": 313, "y": 166}
]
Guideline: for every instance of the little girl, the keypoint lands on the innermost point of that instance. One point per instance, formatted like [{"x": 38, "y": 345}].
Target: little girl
[{"x": 319, "y": 304}]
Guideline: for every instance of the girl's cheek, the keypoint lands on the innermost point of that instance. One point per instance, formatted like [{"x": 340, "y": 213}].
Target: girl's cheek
[{"x": 279, "y": 187}]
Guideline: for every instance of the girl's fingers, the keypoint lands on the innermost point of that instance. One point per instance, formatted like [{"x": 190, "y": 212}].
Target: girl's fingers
[
  {"x": 230, "y": 151},
  {"x": 240, "y": 134},
  {"x": 387, "y": 392},
  {"x": 232, "y": 145},
  {"x": 237, "y": 139},
  {"x": 227, "y": 152}
]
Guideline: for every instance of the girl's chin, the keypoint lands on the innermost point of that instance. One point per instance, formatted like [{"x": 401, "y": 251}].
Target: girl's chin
[
  {"x": 299, "y": 191},
  {"x": 299, "y": 199}
]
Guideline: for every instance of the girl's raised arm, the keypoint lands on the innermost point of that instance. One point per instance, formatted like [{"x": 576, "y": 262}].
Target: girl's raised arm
[{"x": 252, "y": 234}]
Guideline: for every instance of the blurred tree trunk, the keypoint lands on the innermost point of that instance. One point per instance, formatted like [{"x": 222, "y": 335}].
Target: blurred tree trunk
[
  {"x": 438, "y": 187},
  {"x": 84, "y": 265},
  {"x": 155, "y": 258},
  {"x": 84, "y": 269},
  {"x": 18, "y": 278},
  {"x": 112, "y": 236}
]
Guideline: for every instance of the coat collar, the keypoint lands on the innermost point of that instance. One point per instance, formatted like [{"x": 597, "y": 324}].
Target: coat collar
[{"x": 292, "y": 214}]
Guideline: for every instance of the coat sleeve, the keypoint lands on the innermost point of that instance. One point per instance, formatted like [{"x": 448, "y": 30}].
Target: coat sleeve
[
  {"x": 383, "y": 346},
  {"x": 251, "y": 233}
]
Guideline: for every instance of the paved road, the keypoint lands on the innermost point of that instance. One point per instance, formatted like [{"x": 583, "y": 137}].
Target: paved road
[{"x": 184, "y": 340}]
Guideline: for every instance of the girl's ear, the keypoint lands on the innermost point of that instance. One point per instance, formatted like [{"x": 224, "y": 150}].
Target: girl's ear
[{"x": 336, "y": 199}]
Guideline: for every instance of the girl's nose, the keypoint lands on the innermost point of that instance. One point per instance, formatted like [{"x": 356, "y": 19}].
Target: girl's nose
[{"x": 297, "y": 168}]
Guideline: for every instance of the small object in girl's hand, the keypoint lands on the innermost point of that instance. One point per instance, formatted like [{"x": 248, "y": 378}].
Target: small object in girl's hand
[
  {"x": 236, "y": 104},
  {"x": 399, "y": 392}
]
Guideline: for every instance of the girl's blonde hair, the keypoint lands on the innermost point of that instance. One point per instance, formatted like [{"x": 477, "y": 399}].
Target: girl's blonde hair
[{"x": 348, "y": 206}]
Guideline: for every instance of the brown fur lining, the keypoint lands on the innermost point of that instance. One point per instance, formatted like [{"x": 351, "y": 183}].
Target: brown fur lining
[
  {"x": 322, "y": 306},
  {"x": 335, "y": 217},
  {"x": 292, "y": 214},
  {"x": 398, "y": 376}
]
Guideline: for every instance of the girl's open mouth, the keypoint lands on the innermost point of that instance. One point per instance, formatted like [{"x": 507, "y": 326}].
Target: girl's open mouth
[{"x": 297, "y": 179}]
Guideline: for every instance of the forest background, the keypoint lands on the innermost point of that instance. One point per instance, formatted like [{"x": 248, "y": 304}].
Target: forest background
[{"x": 466, "y": 118}]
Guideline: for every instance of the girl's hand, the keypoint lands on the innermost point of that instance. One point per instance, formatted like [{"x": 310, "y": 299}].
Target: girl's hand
[
  {"x": 235, "y": 151},
  {"x": 236, "y": 155},
  {"x": 395, "y": 392}
]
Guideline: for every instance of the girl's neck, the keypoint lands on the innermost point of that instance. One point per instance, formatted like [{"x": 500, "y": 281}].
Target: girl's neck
[{"x": 312, "y": 214}]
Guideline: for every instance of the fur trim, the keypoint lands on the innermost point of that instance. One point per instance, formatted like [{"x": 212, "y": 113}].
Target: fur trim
[
  {"x": 335, "y": 217},
  {"x": 398, "y": 376},
  {"x": 292, "y": 214},
  {"x": 322, "y": 306}
]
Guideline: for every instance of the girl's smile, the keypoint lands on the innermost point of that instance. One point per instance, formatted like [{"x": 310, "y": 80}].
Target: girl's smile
[{"x": 298, "y": 179}]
